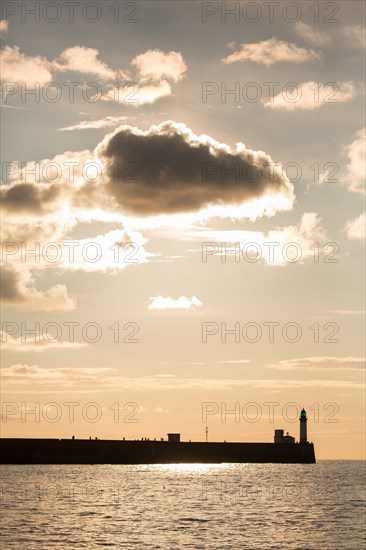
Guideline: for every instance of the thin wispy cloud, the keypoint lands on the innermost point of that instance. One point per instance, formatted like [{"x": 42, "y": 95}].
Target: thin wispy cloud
[
  {"x": 267, "y": 247},
  {"x": 350, "y": 311},
  {"x": 236, "y": 361},
  {"x": 270, "y": 52},
  {"x": 355, "y": 34},
  {"x": 351, "y": 36},
  {"x": 106, "y": 122},
  {"x": 71, "y": 378},
  {"x": 321, "y": 363},
  {"x": 312, "y": 95},
  {"x": 37, "y": 344},
  {"x": 311, "y": 34},
  {"x": 13, "y": 107}
]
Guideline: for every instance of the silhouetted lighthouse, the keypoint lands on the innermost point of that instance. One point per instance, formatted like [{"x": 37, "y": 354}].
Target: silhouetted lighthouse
[{"x": 303, "y": 428}]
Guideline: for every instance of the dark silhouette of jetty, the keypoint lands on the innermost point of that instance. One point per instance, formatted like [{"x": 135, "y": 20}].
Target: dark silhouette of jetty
[{"x": 145, "y": 451}]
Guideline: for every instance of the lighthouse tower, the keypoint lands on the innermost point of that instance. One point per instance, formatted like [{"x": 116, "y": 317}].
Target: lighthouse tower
[{"x": 303, "y": 428}]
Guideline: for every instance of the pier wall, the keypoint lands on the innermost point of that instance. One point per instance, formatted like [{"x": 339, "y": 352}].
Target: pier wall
[{"x": 85, "y": 451}]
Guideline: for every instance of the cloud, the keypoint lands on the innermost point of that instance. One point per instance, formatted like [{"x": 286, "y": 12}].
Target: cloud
[
  {"x": 96, "y": 379},
  {"x": 356, "y": 229},
  {"x": 276, "y": 247},
  {"x": 146, "y": 81},
  {"x": 158, "y": 303},
  {"x": 17, "y": 67},
  {"x": 347, "y": 35},
  {"x": 311, "y": 34},
  {"x": 21, "y": 266},
  {"x": 321, "y": 363},
  {"x": 83, "y": 60},
  {"x": 43, "y": 202},
  {"x": 270, "y": 52},
  {"x": 356, "y": 168},
  {"x": 4, "y": 26},
  {"x": 46, "y": 187},
  {"x": 155, "y": 65},
  {"x": 34, "y": 343},
  {"x": 17, "y": 289},
  {"x": 171, "y": 162},
  {"x": 355, "y": 34},
  {"x": 236, "y": 361},
  {"x": 110, "y": 252},
  {"x": 34, "y": 374},
  {"x": 38, "y": 218},
  {"x": 179, "y": 363},
  {"x": 350, "y": 311},
  {"x": 312, "y": 95},
  {"x": 22, "y": 198},
  {"x": 161, "y": 410},
  {"x": 105, "y": 122}
]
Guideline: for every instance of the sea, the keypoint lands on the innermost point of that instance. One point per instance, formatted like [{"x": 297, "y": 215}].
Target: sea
[{"x": 184, "y": 506}]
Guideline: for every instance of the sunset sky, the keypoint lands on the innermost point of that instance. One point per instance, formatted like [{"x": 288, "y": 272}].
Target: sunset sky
[{"x": 160, "y": 161}]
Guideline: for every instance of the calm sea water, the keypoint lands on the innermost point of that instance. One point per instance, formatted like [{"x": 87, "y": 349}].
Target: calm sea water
[{"x": 173, "y": 507}]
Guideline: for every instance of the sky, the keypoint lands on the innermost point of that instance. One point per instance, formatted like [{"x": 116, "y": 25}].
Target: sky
[{"x": 183, "y": 220}]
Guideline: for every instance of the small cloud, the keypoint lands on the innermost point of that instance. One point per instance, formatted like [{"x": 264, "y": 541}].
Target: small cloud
[
  {"x": 155, "y": 64},
  {"x": 356, "y": 229},
  {"x": 161, "y": 410},
  {"x": 356, "y": 167},
  {"x": 18, "y": 67},
  {"x": 4, "y": 26},
  {"x": 160, "y": 303},
  {"x": 180, "y": 363},
  {"x": 270, "y": 52},
  {"x": 83, "y": 60}
]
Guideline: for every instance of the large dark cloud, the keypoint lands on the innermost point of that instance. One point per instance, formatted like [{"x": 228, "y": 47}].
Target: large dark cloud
[
  {"x": 165, "y": 170},
  {"x": 168, "y": 164}
]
